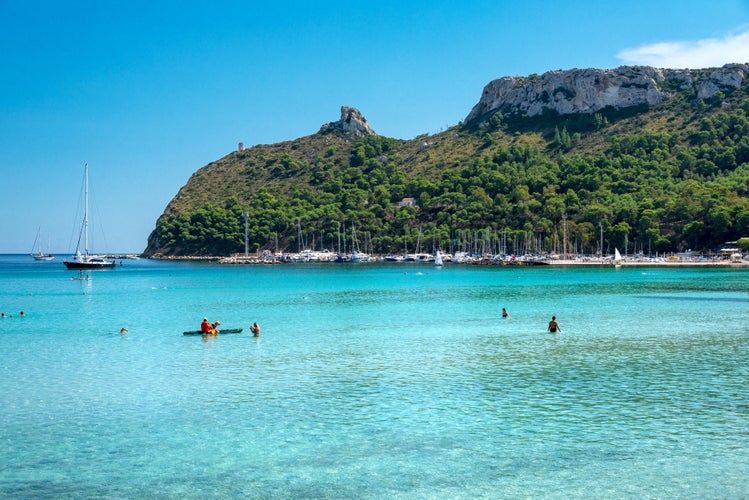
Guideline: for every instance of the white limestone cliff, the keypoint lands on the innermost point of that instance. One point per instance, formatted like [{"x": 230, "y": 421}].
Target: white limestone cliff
[{"x": 590, "y": 90}]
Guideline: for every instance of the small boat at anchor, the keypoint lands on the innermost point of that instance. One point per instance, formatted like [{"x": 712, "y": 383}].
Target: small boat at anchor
[
  {"x": 37, "y": 252},
  {"x": 84, "y": 260}
]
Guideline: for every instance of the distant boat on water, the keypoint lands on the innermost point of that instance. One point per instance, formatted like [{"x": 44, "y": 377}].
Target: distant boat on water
[
  {"x": 84, "y": 260},
  {"x": 438, "y": 259},
  {"x": 37, "y": 252},
  {"x": 617, "y": 258}
]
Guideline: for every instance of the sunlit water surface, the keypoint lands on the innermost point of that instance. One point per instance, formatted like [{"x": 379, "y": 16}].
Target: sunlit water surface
[{"x": 373, "y": 381}]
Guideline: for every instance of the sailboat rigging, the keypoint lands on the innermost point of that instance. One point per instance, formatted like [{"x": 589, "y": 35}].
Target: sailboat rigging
[{"x": 84, "y": 260}]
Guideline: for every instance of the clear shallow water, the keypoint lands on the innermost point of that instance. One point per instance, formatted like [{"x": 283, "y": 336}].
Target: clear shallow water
[{"x": 373, "y": 381}]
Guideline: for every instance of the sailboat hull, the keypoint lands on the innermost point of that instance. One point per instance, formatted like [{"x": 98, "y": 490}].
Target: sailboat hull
[{"x": 92, "y": 263}]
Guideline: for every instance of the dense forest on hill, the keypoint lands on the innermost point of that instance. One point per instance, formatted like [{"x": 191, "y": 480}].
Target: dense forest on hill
[{"x": 660, "y": 179}]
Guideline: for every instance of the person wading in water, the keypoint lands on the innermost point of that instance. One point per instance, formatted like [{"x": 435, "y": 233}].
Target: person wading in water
[{"x": 553, "y": 325}]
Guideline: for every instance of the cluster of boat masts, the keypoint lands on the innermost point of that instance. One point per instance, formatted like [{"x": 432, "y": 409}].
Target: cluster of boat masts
[{"x": 438, "y": 258}]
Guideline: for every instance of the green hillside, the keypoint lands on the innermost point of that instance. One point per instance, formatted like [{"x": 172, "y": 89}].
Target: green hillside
[{"x": 657, "y": 179}]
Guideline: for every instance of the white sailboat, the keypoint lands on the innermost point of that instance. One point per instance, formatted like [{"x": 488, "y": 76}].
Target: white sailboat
[
  {"x": 84, "y": 260},
  {"x": 37, "y": 252},
  {"x": 438, "y": 259},
  {"x": 617, "y": 258}
]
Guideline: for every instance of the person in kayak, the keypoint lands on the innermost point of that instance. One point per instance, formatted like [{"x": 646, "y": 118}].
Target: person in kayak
[{"x": 205, "y": 326}]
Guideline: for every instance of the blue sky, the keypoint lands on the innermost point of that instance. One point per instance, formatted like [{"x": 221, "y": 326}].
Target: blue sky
[{"x": 147, "y": 93}]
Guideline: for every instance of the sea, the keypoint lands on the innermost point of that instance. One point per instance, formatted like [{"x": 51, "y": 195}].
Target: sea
[{"x": 373, "y": 380}]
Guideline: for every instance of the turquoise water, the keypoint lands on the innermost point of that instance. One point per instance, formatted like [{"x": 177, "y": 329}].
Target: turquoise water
[{"x": 373, "y": 381}]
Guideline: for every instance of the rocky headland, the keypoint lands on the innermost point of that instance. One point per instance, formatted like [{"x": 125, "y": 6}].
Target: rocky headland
[{"x": 591, "y": 90}]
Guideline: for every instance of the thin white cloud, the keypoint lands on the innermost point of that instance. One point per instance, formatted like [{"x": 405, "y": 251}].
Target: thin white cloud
[{"x": 707, "y": 53}]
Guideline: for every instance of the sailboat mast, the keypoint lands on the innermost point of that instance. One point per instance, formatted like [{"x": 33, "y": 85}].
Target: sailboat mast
[
  {"x": 36, "y": 241},
  {"x": 85, "y": 209}
]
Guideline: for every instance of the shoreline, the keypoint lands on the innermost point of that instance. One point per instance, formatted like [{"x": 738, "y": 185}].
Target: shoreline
[
  {"x": 254, "y": 260},
  {"x": 716, "y": 263}
]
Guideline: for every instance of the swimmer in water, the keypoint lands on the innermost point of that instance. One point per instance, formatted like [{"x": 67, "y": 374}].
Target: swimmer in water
[{"x": 255, "y": 329}]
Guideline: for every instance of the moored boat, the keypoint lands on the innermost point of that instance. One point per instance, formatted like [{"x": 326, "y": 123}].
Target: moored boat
[
  {"x": 36, "y": 251},
  {"x": 84, "y": 260}
]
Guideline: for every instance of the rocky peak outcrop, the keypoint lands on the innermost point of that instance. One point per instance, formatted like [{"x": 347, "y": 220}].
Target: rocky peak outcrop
[
  {"x": 590, "y": 90},
  {"x": 352, "y": 121}
]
